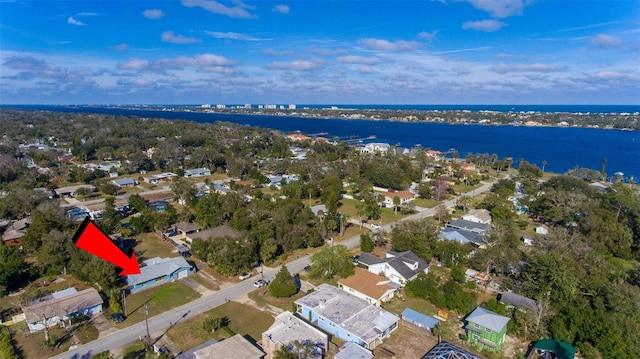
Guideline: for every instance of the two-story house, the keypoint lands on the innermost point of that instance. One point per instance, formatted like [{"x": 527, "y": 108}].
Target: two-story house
[{"x": 486, "y": 329}]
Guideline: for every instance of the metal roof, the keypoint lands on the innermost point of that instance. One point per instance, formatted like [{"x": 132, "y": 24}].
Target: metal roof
[
  {"x": 488, "y": 319},
  {"x": 446, "y": 350},
  {"x": 419, "y": 319}
]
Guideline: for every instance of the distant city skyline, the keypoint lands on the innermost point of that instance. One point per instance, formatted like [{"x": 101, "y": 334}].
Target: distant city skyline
[{"x": 323, "y": 52}]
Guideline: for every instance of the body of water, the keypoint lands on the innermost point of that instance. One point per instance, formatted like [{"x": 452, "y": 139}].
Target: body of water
[{"x": 561, "y": 148}]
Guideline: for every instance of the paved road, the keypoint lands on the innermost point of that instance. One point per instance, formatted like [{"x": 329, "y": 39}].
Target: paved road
[
  {"x": 75, "y": 203},
  {"x": 161, "y": 323}
]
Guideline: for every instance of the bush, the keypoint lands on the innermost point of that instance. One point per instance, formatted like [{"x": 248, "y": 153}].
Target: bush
[{"x": 283, "y": 285}]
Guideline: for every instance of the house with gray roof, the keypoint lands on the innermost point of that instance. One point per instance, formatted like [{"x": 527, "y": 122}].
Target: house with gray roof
[
  {"x": 159, "y": 271},
  {"x": 486, "y": 329},
  {"x": 463, "y": 236},
  {"x": 197, "y": 172},
  {"x": 61, "y": 306},
  {"x": 352, "y": 350},
  {"x": 470, "y": 226},
  {"x": 399, "y": 267},
  {"x": 517, "y": 301},
  {"x": 124, "y": 182},
  {"x": 346, "y": 316}
]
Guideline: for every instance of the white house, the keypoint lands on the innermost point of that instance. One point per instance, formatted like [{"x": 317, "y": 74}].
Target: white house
[
  {"x": 542, "y": 229},
  {"x": 375, "y": 147},
  {"x": 399, "y": 267},
  {"x": 197, "y": 172},
  {"x": 61, "y": 306},
  {"x": 478, "y": 216}
]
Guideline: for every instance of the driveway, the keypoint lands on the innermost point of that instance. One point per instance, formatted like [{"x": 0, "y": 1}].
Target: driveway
[{"x": 102, "y": 324}]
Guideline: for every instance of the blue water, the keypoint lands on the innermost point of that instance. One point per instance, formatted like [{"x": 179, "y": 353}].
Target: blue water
[{"x": 562, "y": 148}]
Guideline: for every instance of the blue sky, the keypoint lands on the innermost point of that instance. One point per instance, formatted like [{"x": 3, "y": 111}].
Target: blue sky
[{"x": 320, "y": 52}]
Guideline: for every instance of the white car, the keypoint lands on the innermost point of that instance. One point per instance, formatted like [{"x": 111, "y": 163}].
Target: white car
[
  {"x": 375, "y": 226},
  {"x": 244, "y": 276},
  {"x": 260, "y": 283}
]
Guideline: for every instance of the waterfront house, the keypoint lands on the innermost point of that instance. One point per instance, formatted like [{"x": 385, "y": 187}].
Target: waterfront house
[
  {"x": 375, "y": 147},
  {"x": 197, "y": 172},
  {"x": 399, "y": 267},
  {"x": 61, "y": 306},
  {"x": 346, "y": 316},
  {"x": 159, "y": 271},
  {"x": 288, "y": 328},
  {"x": 373, "y": 288},
  {"x": 486, "y": 328}
]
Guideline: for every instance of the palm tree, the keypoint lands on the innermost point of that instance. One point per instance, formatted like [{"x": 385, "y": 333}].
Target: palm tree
[
  {"x": 438, "y": 330},
  {"x": 544, "y": 163}
]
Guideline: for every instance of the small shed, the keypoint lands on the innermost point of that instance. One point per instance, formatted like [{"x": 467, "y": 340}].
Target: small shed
[{"x": 418, "y": 322}]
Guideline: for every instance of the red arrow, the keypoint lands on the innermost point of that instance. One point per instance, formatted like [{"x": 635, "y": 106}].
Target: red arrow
[{"x": 92, "y": 239}]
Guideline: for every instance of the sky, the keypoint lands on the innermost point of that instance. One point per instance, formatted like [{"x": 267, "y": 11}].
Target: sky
[{"x": 320, "y": 52}]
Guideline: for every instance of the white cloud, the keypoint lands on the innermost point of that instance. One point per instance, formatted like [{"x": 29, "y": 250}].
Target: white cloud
[
  {"x": 199, "y": 61},
  {"x": 73, "y": 21},
  {"x": 233, "y": 36},
  {"x": 171, "y": 37},
  {"x": 500, "y": 8},
  {"x": 134, "y": 64},
  {"x": 537, "y": 67},
  {"x": 239, "y": 11},
  {"x": 605, "y": 41},
  {"x": 272, "y": 52},
  {"x": 283, "y": 9},
  {"x": 615, "y": 76},
  {"x": 121, "y": 47},
  {"x": 326, "y": 52},
  {"x": 298, "y": 65},
  {"x": 353, "y": 59},
  {"x": 424, "y": 35},
  {"x": 153, "y": 14},
  {"x": 484, "y": 25},
  {"x": 386, "y": 45}
]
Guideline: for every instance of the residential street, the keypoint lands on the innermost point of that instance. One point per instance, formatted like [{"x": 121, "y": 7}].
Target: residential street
[{"x": 162, "y": 323}]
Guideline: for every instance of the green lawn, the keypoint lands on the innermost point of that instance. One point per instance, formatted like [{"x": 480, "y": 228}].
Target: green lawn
[
  {"x": 149, "y": 245},
  {"x": 158, "y": 300},
  {"x": 425, "y": 203},
  {"x": 137, "y": 351},
  {"x": 242, "y": 319},
  {"x": 263, "y": 298}
]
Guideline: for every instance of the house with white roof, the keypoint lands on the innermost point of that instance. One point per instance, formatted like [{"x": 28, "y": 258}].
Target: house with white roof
[
  {"x": 478, "y": 216},
  {"x": 463, "y": 236},
  {"x": 352, "y": 350},
  {"x": 159, "y": 271},
  {"x": 124, "y": 182},
  {"x": 470, "y": 226},
  {"x": 346, "y": 316},
  {"x": 287, "y": 329},
  {"x": 399, "y": 267},
  {"x": 197, "y": 172},
  {"x": 375, "y": 147}
]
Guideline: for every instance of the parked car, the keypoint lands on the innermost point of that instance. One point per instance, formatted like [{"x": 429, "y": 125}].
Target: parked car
[
  {"x": 307, "y": 267},
  {"x": 260, "y": 283},
  {"x": 117, "y": 317},
  {"x": 375, "y": 226},
  {"x": 244, "y": 276}
]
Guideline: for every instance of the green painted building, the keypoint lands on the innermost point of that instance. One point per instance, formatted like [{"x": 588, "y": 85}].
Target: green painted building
[{"x": 486, "y": 329}]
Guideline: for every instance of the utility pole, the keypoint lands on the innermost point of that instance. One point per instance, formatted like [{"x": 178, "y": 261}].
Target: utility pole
[
  {"x": 146, "y": 322},
  {"x": 124, "y": 302}
]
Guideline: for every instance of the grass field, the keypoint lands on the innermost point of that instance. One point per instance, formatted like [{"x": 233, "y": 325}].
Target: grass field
[
  {"x": 242, "y": 319},
  {"x": 158, "y": 300},
  {"x": 149, "y": 245},
  {"x": 263, "y": 298}
]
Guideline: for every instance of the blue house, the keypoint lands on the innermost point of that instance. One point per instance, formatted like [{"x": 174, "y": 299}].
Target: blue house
[
  {"x": 159, "y": 271},
  {"x": 346, "y": 316}
]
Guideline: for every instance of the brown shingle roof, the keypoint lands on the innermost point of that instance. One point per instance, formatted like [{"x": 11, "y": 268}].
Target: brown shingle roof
[
  {"x": 367, "y": 283},
  {"x": 217, "y": 232}
]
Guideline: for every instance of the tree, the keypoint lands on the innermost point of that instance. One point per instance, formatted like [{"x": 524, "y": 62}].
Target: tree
[
  {"x": 396, "y": 204},
  {"x": 110, "y": 218},
  {"x": 136, "y": 201},
  {"x": 12, "y": 268},
  {"x": 366, "y": 243},
  {"x": 330, "y": 262},
  {"x": 214, "y": 323},
  {"x": 283, "y": 285}
]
